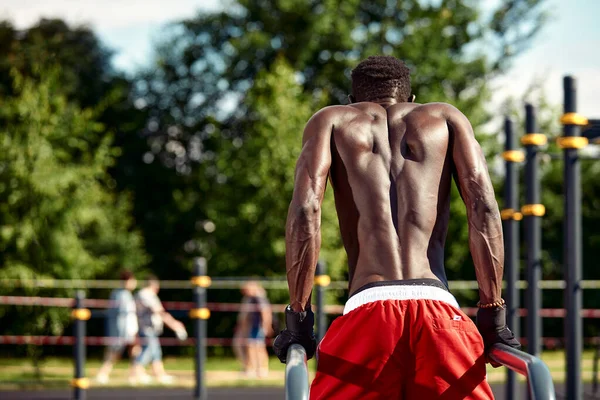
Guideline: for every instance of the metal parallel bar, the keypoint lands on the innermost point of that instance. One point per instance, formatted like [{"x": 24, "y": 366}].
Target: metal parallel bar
[
  {"x": 539, "y": 380},
  {"x": 296, "y": 374},
  {"x": 572, "y": 247},
  {"x": 533, "y": 238},
  {"x": 583, "y": 157},
  {"x": 511, "y": 245}
]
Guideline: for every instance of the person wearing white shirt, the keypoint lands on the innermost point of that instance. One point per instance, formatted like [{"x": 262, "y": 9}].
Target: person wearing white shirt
[
  {"x": 121, "y": 326},
  {"x": 151, "y": 318}
]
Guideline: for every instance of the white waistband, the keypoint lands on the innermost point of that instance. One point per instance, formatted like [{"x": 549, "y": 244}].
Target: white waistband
[{"x": 399, "y": 292}]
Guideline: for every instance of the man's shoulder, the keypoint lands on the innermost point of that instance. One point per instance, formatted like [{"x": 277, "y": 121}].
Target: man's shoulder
[{"x": 333, "y": 113}]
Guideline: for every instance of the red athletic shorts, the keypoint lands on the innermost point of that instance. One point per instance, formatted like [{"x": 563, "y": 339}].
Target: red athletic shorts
[{"x": 401, "y": 341}]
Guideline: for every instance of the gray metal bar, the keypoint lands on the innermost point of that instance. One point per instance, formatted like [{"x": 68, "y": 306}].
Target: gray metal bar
[
  {"x": 539, "y": 380},
  {"x": 533, "y": 239},
  {"x": 296, "y": 374},
  {"x": 572, "y": 248},
  {"x": 511, "y": 246}
]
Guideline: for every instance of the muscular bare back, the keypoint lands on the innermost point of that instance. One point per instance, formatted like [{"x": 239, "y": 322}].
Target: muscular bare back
[
  {"x": 391, "y": 174},
  {"x": 390, "y": 166}
]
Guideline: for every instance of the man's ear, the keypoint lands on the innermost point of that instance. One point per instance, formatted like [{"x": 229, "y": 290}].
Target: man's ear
[
  {"x": 351, "y": 99},
  {"x": 411, "y": 98}
]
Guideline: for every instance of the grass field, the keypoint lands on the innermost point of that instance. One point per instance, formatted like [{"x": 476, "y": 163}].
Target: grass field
[{"x": 57, "y": 372}]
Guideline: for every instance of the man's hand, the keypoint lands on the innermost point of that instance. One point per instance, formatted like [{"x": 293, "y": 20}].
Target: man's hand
[
  {"x": 299, "y": 330},
  {"x": 491, "y": 323}
]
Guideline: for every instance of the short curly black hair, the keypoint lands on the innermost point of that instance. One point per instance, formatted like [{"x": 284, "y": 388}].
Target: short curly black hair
[{"x": 378, "y": 77}]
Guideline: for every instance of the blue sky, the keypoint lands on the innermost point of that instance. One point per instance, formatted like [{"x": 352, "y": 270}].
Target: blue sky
[{"x": 569, "y": 44}]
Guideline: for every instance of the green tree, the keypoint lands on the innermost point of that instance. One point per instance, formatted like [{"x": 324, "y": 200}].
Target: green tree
[
  {"x": 86, "y": 79},
  {"x": 60, "y": 215},
  {"x": 197, "y": 94},
  {"x": 258, "y": 179},
  {"x": 85, "y": 74}
]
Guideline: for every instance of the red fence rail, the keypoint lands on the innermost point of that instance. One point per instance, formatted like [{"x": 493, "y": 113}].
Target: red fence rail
[
  {"x": 237, "y": 307},
  {"x": 549, "y": 342},
  {"x": 105, "y": 341}
]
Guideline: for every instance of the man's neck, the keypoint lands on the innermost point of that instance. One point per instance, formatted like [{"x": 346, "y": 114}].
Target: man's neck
[{"x": 385, "y": 102}]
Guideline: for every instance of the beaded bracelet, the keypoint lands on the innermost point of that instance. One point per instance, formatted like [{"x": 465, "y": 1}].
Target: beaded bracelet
[{"x": 498, "y": 303}]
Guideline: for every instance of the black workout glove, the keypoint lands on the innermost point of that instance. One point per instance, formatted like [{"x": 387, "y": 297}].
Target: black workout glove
[
  {"x": 491, "y": 323},
  {"x": 299, "y": 330}
]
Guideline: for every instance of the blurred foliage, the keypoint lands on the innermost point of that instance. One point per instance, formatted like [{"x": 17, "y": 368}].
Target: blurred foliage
[
  {"x": 61, "y": 217},
  {"x": 84, "y": 72},
  {"x": 199, "y": 98},
  {"x": 258, "y": 180}
]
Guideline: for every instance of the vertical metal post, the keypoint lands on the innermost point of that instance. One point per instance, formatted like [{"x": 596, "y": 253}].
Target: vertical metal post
[
  {"x": 595, "y": 370},
  {"x": 510, "y": 219},
  {"x": 200, "y": 314},
  {"x": 532, "y": 211},
  {"x": 570, "y": 143},
  {"x": 80, "y": 383},
  {"x": 322, "y": 280}
]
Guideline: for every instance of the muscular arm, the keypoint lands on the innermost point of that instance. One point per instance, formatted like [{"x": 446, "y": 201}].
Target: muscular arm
[
  {"x": 303, "y": 227},
  {"x": 485, "y": 227}
]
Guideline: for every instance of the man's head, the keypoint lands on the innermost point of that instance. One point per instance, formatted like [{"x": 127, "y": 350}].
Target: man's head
[
  {"x": 381, "y": 77},
  {"x": 153, "y": 283}
]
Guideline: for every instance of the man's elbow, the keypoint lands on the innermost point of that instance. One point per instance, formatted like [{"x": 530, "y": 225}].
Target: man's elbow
[
  {"x": 304, "y": 217},
  {"x": 483, "y": 211},
  {"x": 307, "y": 209}
]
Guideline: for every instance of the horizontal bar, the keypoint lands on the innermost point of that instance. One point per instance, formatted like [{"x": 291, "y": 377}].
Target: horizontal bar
[
  {"x": 296, "y": 374},
  {"x": 560, "y": 157},
  {"x": 537, "y": 373},
  {"x": 225, "y": 283}
]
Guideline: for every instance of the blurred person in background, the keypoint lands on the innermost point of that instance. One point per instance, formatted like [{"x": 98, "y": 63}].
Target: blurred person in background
[
  {"x": 254, "y": 325},
  {"x": 121, "y": 326},
  {"x": 151, "y": 319}
]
